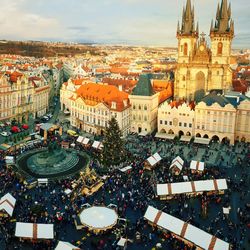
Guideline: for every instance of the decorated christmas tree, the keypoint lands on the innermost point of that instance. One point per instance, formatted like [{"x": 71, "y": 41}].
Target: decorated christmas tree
[{"x": 113, "y": 152}]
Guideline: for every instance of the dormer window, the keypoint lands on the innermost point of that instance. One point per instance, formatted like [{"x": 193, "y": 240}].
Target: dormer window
[
  {"x": 113, "y": 105},
  {"x": 125, "y": 103}
]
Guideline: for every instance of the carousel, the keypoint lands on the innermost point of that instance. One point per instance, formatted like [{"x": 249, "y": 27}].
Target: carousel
[{"x": 98, "y": 218}]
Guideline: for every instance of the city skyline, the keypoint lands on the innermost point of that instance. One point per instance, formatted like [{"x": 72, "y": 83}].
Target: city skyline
[{"x": 131, "y": 22}]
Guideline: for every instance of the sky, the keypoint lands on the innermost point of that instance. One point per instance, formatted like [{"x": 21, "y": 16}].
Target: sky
[{"x": 132, "y": 22}]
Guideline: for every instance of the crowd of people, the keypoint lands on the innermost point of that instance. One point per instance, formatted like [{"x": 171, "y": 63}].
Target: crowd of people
[{"x": 132, "y": 192}]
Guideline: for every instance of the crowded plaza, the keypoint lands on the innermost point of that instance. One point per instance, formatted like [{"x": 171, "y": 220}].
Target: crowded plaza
[{"x": 200, "y": 187}]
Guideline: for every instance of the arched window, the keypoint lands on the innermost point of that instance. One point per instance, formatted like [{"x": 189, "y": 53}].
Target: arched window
[
  {"x": 185, "y": 49},
  {"x": 219, "y": 48},
  {"x": 183, "y": 78},
  {"x": 145, "y": 107},
  {"x": 139, "y": 107}
]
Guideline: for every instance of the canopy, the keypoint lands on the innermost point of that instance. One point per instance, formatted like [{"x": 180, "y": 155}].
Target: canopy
[
  {"x": 97, "y": 145},
  {"x": 122, "y": 242},
  {"x": 80, "y": 139},
  {"x": 7, "y": 204},
  {"x": 191, "y": 187},
  {"x": 85, "y": 141},
  {"x": 184, "y": 230},
  {"x": 165, "y": 136},
  {"x": 177, "y": 162},
  {"x": 125, "y": 169},
  {"x": 143, "y": 133},
  {"x": 25, "y": 126},
  {"x": 197, "y": 165},
  {"x": 98, "y": 218},
  {"x": 9, "y": 159},
  {"x": 34, "y": 231},
  {"x": 15, "y": 129},
  {"x": 202, "y": 140},
  {"x": 63, "y": 245},
  {"x": 186, "y": 138},
  {"x": 154, "y": 159}
]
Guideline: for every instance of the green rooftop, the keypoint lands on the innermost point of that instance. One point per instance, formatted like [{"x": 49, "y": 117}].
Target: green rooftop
[{"x": 144, "y": 86}]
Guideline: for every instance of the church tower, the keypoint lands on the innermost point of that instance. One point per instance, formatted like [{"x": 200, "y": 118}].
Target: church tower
[
  {"x": 221, "y": 34},
  {"x": 187, "y": 35}
]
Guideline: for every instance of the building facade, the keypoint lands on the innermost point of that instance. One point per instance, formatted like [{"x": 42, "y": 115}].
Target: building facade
[
  {"x": 201, "y": 69},
  {"x": 92, "y": 106}
]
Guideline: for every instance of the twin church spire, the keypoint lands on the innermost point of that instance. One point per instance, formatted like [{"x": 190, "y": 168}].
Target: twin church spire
[{"x": 222, "y": 25}]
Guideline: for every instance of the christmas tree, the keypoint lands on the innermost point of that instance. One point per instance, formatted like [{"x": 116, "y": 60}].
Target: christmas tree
[{"x": 113, "y": 152}]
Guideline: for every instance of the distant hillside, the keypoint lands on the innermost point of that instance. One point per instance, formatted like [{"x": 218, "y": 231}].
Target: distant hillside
[{"x": 41, "y": 49}]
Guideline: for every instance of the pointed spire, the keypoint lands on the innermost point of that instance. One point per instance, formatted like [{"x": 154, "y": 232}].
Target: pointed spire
[
  {"x": 212, "y": 25},
  {"x": 188, "y": 13},
  {"x": 197, "y": 28},
  {"x": 232, "y": 26},
  {"x": 229, "y": 11},
  {"x": 224, "y": 10},
  {"x": 178, "y": 27},
  {"x": 218, "y": 12}
]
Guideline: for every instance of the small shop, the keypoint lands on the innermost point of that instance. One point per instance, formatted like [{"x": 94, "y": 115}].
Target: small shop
[
  {"x": 176, "y": 165},
  {"x": 34, "y": 231},
  {"x": 189, "y": 234},
  {"x": 97, "y": 145},
  {"x": 191, "y": 188},
  {"x": 7, "y": 205},
  {"x": 197, "y": 166},
  {"x": 152, "y": 161}
]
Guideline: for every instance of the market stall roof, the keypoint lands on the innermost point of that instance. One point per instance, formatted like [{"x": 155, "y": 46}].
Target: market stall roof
[
  {"x": 197, "y": 165},
  {"x": 85, "y": 141},
  {"x": 186, "y": 138},
  {"x": 191, "y": 187},
  {"x": 63, "y": 245},
  {"x": 143, "y": 133},
  {"x": 125, "y": 169},
  {"x": 80, "y": 139},
  {"x": 9, "y": 159},
  {"x": 122, "y": 242},
  {"x": 5, "y": 146},
  {"x": 177, "y": 162},
  {"x": 200, "y": 140},
  {"x": 155, "y": 158},
  {"x": 98, "y": 218},
  {"x": 165, "y": 136},
  {"x": 7, "y": 203},
  {"x": 97, "y": 145},
  {"x": 47, "y": 126},
  {"x": 34, "y": 231},
  {"x": 184, "y": 230}
]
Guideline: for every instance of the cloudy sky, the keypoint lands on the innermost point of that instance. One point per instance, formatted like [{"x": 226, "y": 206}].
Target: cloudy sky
[{"x": 142, "y": 22}]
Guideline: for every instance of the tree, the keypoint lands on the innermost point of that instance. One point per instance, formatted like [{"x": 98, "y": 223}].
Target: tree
[{"x": 113, "y": 152}]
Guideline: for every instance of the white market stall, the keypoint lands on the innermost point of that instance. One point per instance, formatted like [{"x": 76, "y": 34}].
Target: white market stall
[
  {"x": 168, "y": 190},
  {"x": 165, "y": 136},
  {"x": 152, "y": 161},
  {"x": 34, "y": 231},
  {"x": 9, "y": 160},
  {"x": 200, "y": 140},
  {"x": 98, "y": 218},
  {"x": 7, "y": 205},
  {"x": 197, "y": 166},
  {"x": 185, "y": 138},
  {"x": 85, "y": 141},
  {"x": 143, "y": 133},
  {"x": 97, "y": 145},
  {"x": 125, "y": 169},
  {"x": 176, "y": 165},
  {"x": 63, "y": 245},
  {"x": 184, "y": 231},
  {"x": 80, "y": 139}
]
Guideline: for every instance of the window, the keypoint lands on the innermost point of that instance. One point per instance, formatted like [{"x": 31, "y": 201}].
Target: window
[
  {"x": 133, "y": 106},
  {"x": 170, "y": 123},
  {"x": 166, "y": 122},
  {"x": 190, "y": 125},
  {"x": 160, "y": 121},
  {"x": 180, "y": 124},
  {"x": 185, "y": 49},
  {"x": 145, "y": 118},
  {"x": 185, "y": 124},
  {"x": 219, "y": 48},
  {"x": 198, "y": 127},
  {"x": 145, "y": 107}
]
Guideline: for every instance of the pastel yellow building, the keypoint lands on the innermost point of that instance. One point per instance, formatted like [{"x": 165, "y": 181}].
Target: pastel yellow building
[{"x": 201, "y": 69}]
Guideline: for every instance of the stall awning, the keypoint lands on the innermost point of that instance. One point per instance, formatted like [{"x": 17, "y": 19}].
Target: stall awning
[
  {"x": 185, "y": 230},
  {"x": 152, "y": 160},
  {"x": 97, "y": 145},
  {"x": 200, "y": 140},
  {"x": 63, "y": 245},
  {"x": 80, "y": 139},
  {"x": 34, "y": 231},
  {"x": 186, "y": 138},
  {"x": 165, "y": 136},
  {"x": 191, "y": 187},
  {"x": 143, "y": 133},
  {"x": 7, "y": 204},
  {"x": 125, "y": 169},
  {"x": 177, "y": 162},
  {"x": 197, "y": 165},
  {"x": 85, "y": 141}
]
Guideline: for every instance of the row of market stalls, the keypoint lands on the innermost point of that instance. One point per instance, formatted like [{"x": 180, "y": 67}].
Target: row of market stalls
[
  {"x": 184, "y": 231},
  {"x": 191, "y": 188},
  {"x": 183, "y": 138},
  {"x": 86, "y": 141}
]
